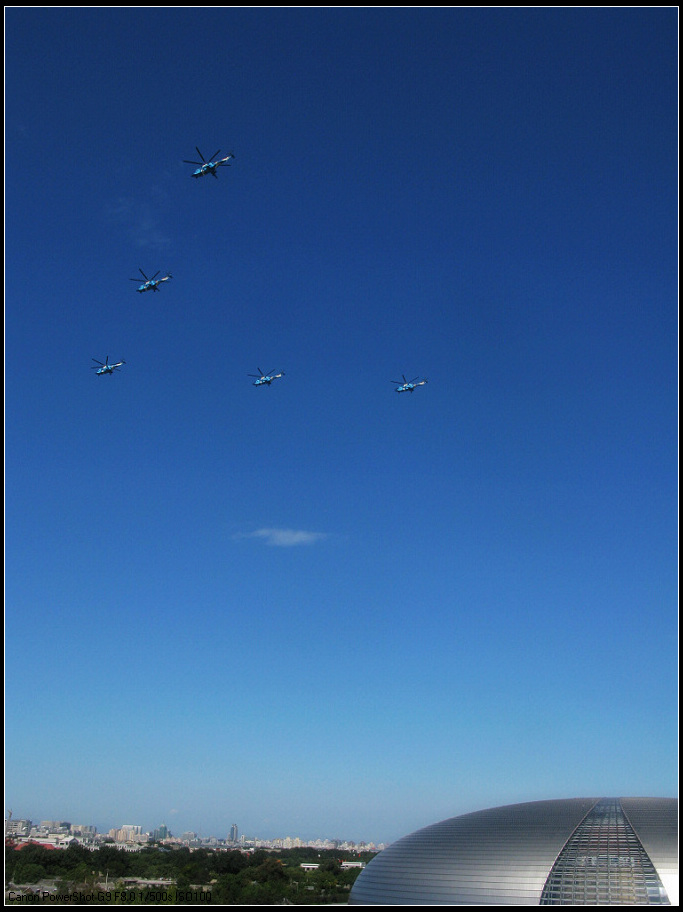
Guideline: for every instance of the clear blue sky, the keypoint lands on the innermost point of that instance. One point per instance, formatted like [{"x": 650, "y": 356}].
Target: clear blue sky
[{"x": 321, "y": 608}]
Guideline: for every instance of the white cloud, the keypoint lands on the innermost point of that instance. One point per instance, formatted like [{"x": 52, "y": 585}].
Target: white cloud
[
  {"x": 141, "y": 221},
  {"x": 287, "y": 538}
]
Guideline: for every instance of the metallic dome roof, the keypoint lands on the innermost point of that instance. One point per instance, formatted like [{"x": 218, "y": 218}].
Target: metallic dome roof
[{"x": 574, "y": 851}]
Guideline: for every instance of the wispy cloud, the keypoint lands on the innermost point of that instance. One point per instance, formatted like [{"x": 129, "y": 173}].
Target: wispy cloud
[
  {"x": 141, "y": 221},
  {"x": 286, "y": 538}
]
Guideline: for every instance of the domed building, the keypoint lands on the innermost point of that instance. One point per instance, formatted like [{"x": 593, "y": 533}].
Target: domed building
[{"x": 574, "y": 851}]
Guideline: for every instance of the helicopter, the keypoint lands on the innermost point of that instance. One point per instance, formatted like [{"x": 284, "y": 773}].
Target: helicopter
[
  {"x": 106, "y": 368},
  {"x": 152, "y": 283},
  {"x": 267, "y": 379},
  {"x": 408, "y": 386},
  {"x": 209, "y": 167}
]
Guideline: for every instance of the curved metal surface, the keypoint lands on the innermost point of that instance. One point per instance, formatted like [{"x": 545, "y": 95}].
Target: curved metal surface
[
  {"x": 655, "y": 822},
  {"x": 500, "y": 856},
  {"x": 604, "y": 863}
]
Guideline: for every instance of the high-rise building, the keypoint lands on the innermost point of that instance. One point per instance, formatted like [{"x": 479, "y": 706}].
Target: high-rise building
[
  {"x": 17, "y": 827},
  {"x": 81, "y": 829},
  {"x": 234, "y": 833},
  {"x": 127, "y": 833}
]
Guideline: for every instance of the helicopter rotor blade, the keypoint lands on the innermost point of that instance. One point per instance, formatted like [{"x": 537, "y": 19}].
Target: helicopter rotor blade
[
  {"x": 186, "y": 162},
  {"x": 213, "y": 157},
  {"x": 200, "y": 155},
  {"x": 142, "y": 274},
  {"x": 156, "y": 273},
  {"x": 95, "y": 360}
]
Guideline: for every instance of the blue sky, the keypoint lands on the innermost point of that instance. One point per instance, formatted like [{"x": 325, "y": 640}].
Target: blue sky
[{"x": 321, "y": 608}]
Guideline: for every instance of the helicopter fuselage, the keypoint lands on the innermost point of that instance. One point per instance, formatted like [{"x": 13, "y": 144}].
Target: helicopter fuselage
[
  {"x": 266, "y": 379},
  {"x": 106, "y": 368},
  {"x": 153, "y": 284},
  {"x": 208, "y": 168},
  {"x": 410, "y": 387}
]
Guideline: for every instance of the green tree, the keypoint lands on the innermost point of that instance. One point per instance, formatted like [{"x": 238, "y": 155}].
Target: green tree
[
  {"x": 229, "y": 862},
  {"x": 184, "y": 877},
  {"x": 114, "y": 861},
  {"x": 270, "y": 871},
  {"x": 82, "y": 873},
  {"x": 227, "y": 890},
  {"x": 28, "y": 872}
]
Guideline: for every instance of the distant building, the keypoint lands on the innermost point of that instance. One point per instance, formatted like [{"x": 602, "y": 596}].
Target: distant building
[
  {"x": 574, "y": 851},
  {"x": 234, "y": 833},
  {"x": 18, "y": 827},
  {"x": 127, "y": 833},
  {"x": 87, "y": 831},
  {"x": 49, "y": 841},
  {"x": 55, "y": 826}
]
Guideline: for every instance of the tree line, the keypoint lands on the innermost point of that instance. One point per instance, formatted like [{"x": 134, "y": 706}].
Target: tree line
[{"x": 262, "y": 877}]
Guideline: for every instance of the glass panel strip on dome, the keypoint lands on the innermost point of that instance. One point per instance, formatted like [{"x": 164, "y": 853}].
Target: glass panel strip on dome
[{"x": 603, "y": 863}]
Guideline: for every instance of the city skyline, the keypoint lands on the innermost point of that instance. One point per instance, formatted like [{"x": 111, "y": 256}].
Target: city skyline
[
  {"x": 315, "y": 604},
  {"x": 28, "y": 828}
]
